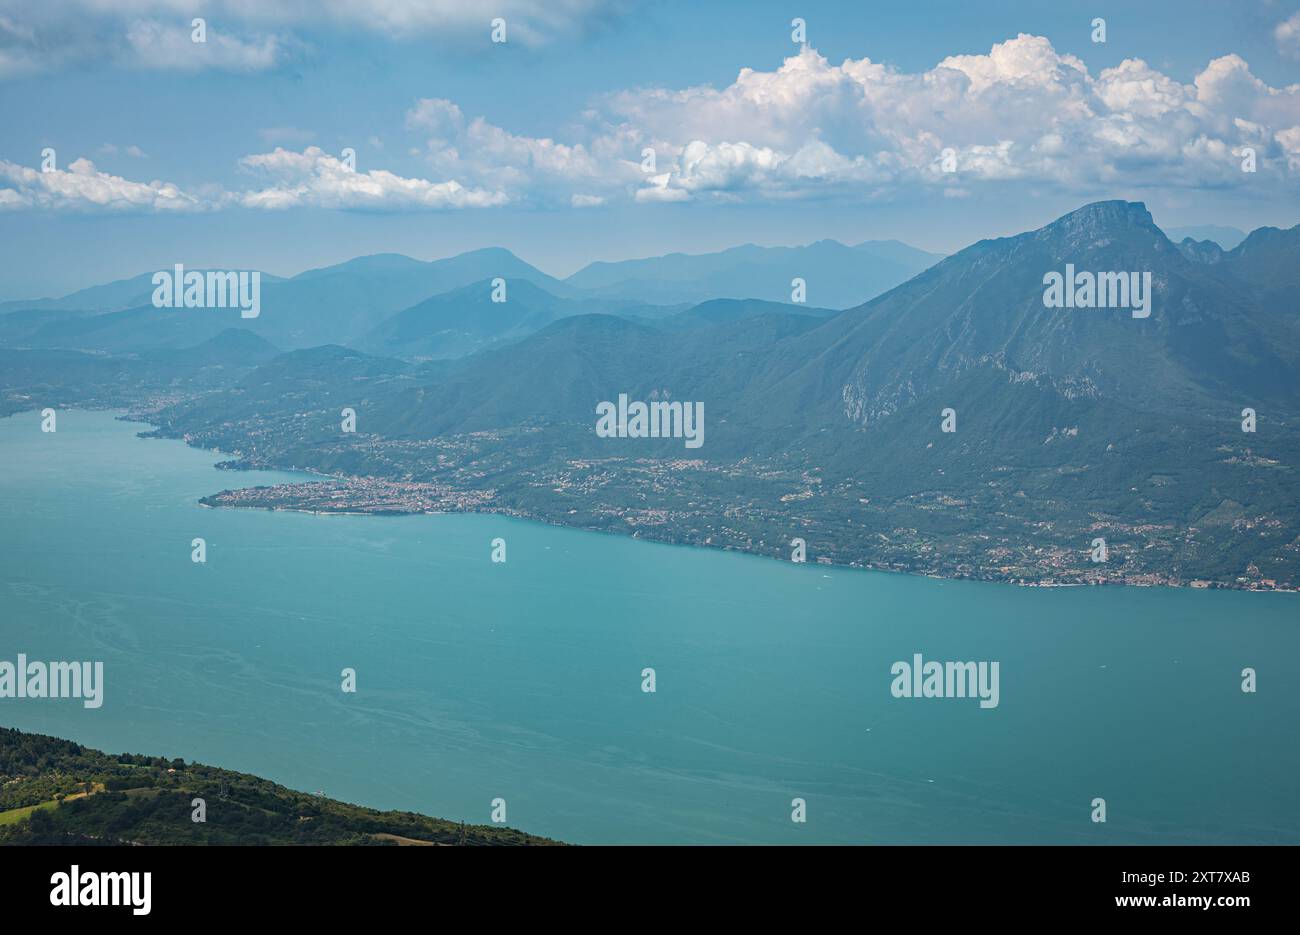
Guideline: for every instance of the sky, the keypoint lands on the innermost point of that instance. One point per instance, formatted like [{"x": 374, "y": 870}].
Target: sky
[{"x": 934, "y": 123}]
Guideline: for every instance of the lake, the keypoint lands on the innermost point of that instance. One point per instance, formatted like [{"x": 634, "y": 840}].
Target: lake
[{"x": 522, "y": 680}]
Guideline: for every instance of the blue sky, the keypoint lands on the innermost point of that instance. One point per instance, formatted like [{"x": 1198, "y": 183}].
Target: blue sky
[{"x": 229, "y": 153}]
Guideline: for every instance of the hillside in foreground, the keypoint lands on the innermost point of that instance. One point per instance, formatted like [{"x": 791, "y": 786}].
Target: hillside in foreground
[{"x": 55, "y": 791}]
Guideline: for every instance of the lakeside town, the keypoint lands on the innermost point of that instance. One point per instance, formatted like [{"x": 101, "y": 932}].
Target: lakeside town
[{"x": 903, "y": 549}]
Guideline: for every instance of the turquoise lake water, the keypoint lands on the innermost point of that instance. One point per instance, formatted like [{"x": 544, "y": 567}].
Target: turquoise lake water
[{"x": 523, "y": 680}]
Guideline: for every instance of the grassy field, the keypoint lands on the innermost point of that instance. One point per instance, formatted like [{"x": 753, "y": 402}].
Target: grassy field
[{"x": 15, "y": 815}]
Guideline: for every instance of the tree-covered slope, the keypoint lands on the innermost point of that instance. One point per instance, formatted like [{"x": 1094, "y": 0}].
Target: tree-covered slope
[{"x": 55, "y": 791}]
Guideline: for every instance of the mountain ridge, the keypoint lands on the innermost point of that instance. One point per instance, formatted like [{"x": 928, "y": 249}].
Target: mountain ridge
[{"x": 1068, "y": 423}]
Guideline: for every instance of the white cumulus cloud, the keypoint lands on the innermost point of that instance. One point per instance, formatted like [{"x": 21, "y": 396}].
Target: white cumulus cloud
[
  {"x": 82, "y": 187},
  {"x": 1022, "y": 111},
  {"x": 810, "y": 128},
  {"x": 314, "y": 178}
]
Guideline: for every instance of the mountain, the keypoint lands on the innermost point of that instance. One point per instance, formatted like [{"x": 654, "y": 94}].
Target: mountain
[
  {"x": 1200, "y": 251},
  {"x": 561, "y": 371},
  {"x": 465, "y": 320},
  {"x": 1208, "y": 342},
  {"x": 1215, "y": 334},
  {"x": 340, "y": 304},
  {"x": 554, "y": 375},
  {"x": 1070, "y": 423},
  {"x": 1267, "y": 265},
  {"x": 836, "y": 275},
  {"x": 393, "y": 304},
  {"x": 68, "y": 378},
  {"x": 55, "y": 791},
  {"x": 721, "y": 311},
  {"x": 110, "y": 297},
  {"x": 127, "y": 331},
  {"x": 376, "y": 264},
  {"x": 331, "y": 305},
  {"x": 1225, "y": 237},
  {"x": 232, "y": 347}
]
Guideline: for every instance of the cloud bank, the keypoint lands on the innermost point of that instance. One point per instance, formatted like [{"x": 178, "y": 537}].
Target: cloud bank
[{"x": 1022, "y": 113}]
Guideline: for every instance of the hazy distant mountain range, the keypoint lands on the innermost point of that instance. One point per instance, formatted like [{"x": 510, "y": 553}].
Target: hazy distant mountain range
[
  {"x": 837, "y": 275},
  {"x": 1225, "y": 237},
  {"x": 442, "y": 302},
  {"x": 1071, "y": 424}
]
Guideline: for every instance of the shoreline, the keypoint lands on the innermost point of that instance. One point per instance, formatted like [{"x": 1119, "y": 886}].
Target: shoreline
[
  {"x": 1210, "y": 584},
  {"x": 129, "y": 416}
]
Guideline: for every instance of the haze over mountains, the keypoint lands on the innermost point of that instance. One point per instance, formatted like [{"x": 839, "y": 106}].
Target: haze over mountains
[
  {"x": 442, "y": 302},
  {"x": 332, "y": 305},
  {"x": 1071, "y": 423},
  {"x": 838, "y": 275},
  {"x": 1219, "y": 330},
  {"x": 971, "y": 327},
  {"x": 456, "y": 323}
]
